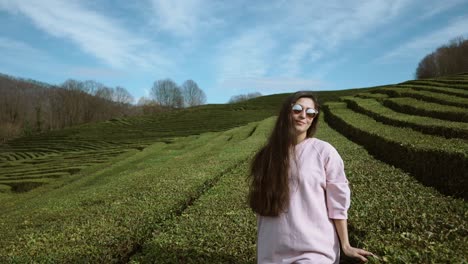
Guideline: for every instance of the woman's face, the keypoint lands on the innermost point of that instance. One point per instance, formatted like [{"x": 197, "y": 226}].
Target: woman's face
[{"x": 301, "y": 120}]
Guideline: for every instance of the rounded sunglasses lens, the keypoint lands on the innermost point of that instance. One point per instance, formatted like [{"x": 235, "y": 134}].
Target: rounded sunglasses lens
[
  {"x": 297, "y": 108},
  {"x": 311, "y": 113}
]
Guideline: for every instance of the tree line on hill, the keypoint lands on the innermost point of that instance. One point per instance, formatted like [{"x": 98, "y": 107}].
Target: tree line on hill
[
  {"x": 446, "y": 60},
  {"x": 166, "y": 93},
  {"x": 28, "y": 106},
  {"x": 243, "y": 97}
]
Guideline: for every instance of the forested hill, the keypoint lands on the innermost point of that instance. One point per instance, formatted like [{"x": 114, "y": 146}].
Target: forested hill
[{"x": 29, "y": 107}]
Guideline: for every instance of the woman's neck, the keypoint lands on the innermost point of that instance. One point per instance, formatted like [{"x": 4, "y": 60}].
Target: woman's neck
[{"x": 300, "y": 138}]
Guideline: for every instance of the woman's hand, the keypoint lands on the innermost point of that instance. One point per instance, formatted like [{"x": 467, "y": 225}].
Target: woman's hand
[{"x": 357, "y": 253}]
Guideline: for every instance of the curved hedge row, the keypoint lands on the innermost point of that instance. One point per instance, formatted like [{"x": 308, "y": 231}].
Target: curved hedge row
[
  {"x": 377, "y": 96},
  {"x": 426, "y": 125},
  {"x": 418, "y": 107},
  {"x": 455, "y": 83},
  {"x": 437, "y": 162},
  {"x": 425, "y": 95},
  {"x": 461, "y": 85},
  {"x": 218, "y": 228},
  {"x": 47, "y": 166},
  {"x": 444, "y": 90}
]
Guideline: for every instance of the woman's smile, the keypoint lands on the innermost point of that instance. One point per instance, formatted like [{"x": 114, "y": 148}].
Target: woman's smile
[{"x": 300, "y": 122}]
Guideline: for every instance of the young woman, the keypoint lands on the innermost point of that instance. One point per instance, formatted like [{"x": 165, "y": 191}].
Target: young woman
[{"x": 300, "y": 192}]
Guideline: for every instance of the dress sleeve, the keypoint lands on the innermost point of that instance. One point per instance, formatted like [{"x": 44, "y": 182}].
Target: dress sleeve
[{"x": 338, "y": 194}]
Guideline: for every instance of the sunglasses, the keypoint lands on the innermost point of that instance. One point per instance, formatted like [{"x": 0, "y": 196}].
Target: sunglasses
[{"x": 310, "y": 112}]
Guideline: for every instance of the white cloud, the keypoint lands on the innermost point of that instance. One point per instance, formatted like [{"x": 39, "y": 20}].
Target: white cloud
[
  {"x": 21, "y": 55},
  {"x": 184, "y": 18},
  {"x": 423, "y": 45},
  {"x": 245, "y": 56},
  {"x": 95, "y": 72},
  {"x": 433, "y": 8},
  {"x": 320, "y": 31},
  {"x": 240, "y": 43},
  {"x": 317, "y": 32},
  {"x": 95, "y": 34},
  {"x": 13, "y": 48},
  {"x": 291, "y": 63}
]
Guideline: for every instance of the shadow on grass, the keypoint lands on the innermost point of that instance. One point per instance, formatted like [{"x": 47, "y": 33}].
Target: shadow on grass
[
  {"x": 355, "y": 236},
  {"x": 20, "y": 187},
  {"x": 159, "y": 254}
]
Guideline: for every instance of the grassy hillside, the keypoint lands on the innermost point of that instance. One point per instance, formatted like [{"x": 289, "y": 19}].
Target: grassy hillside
[
  {"x": 184, "y": 202},
  {"x": 106, "y": 214},
  {"x": 171, "y": 188},
  {"x": 29, "y": 162}
]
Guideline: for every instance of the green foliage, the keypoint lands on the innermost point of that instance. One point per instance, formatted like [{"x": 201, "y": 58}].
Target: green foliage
[
  {"x": 94, "y": 143},
  {"x": 391, "y": 215},
  {"x": 218, "y": 228},
  {"x": 104, "y": 215},
  {"x": 438, "y": 162},
  {"x": 396, "y": 217}
]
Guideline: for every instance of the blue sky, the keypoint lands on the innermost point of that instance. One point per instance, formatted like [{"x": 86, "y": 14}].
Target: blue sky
[{"x": 227, "y": 47}]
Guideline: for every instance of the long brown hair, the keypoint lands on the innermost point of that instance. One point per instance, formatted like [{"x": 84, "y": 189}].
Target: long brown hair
[{"x": 269, "y": 179}]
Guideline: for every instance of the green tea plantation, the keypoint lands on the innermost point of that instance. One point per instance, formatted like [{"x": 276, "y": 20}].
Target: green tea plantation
[{"x": 171, "y": 187}]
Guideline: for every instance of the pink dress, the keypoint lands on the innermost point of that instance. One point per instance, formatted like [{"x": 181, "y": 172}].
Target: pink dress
[{"x": 305, "y": 233}]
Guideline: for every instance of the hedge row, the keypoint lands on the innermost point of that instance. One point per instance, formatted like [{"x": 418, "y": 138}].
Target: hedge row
[
  {"x": 444, "y": 90},
  {"x": 418, "y": 107},
  {"x": 70, "y": 162},
  {"x": 437, "y": 162},
  {"x": 218, "y": 228},
  {"x": 426, "y": 125},
  {"x": 425, "y": 95},
  {"x": 377, "y": 96},
  {"x": 25, "y": 185},
  {"x": 453, "y": 84}
]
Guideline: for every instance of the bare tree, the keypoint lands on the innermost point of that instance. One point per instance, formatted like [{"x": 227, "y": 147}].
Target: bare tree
[
  {"x": 427, "y": 68},
  {"x": 177, "y": 98},
  {"x": 122, "y": 96},
  {"x": 447, "y": 59},
  {"x": 105, "y": 93},
  {"x": 143, "y": 101},
  {"x": 148, "y": 106},
  {"x": 167, "y": 93},
  {"x": 192, "y": 94},
  {"x": 91, "y": 87},
  {"x": 72, "y": 84}
]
